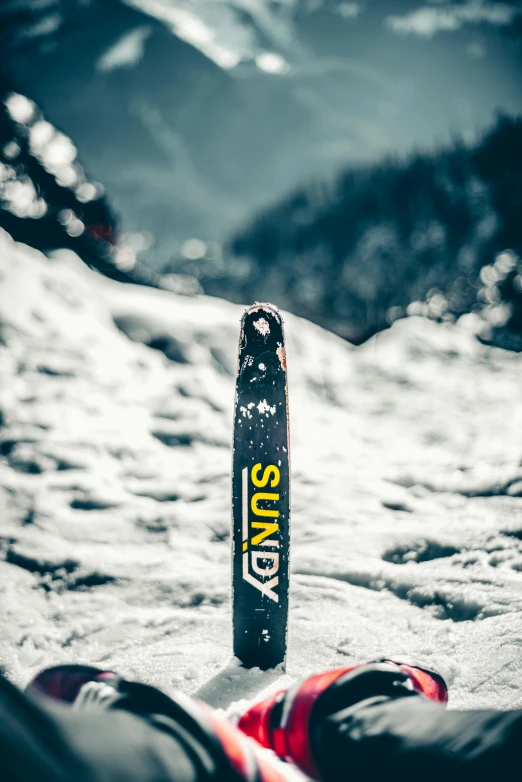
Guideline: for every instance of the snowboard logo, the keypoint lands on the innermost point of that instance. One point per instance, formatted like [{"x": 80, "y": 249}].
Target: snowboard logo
[{"x": 260, "y": 529}]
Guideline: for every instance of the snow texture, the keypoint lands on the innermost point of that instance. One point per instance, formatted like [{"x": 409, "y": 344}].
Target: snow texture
[{"x": 115, "y": 430}]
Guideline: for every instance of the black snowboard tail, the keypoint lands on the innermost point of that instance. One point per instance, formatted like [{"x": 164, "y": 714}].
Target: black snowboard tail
[{"x": 261, "y": 491}]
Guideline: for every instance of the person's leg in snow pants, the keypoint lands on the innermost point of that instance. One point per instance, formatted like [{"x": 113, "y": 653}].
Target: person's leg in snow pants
[{"x": 374, "y": 722}]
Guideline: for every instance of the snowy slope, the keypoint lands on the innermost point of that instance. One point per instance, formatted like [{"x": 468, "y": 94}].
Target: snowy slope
[{"x": 115, "y": 472}]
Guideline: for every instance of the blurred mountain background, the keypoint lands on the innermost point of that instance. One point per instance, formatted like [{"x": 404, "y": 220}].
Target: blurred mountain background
[{"x": 354, "y": 162}]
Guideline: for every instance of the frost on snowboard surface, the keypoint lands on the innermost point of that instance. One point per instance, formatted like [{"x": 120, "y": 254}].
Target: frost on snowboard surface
[{"x": 261, "y": 492}]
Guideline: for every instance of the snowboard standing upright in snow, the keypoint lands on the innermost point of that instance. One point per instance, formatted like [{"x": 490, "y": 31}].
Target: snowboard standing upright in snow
[{"x": 261, "y": 492}]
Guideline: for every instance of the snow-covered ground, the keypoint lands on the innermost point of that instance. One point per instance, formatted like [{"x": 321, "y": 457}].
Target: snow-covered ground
[{"x": 115, "y": 488}]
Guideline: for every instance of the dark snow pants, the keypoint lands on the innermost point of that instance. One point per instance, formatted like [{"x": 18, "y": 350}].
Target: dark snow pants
[{"x": 403, "y": 738}]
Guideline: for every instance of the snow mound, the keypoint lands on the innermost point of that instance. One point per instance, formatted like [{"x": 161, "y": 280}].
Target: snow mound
[{"x": 115, "y": 429}]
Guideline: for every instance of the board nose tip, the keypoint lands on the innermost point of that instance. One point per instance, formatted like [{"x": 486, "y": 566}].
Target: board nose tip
[{"x": 263, "y": 307}]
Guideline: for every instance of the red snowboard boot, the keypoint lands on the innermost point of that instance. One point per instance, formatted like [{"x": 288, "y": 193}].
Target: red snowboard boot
[{"x": 285, "y": 721}]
